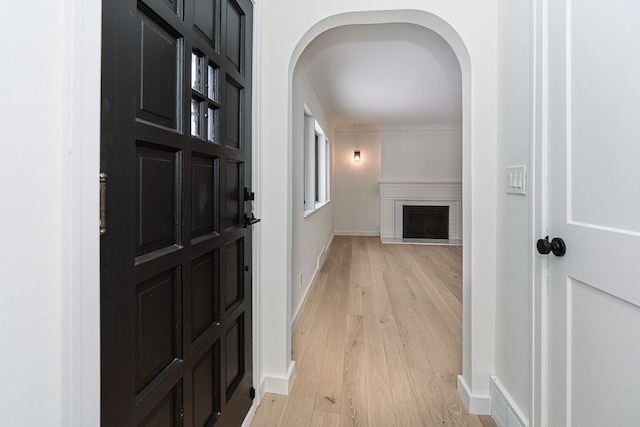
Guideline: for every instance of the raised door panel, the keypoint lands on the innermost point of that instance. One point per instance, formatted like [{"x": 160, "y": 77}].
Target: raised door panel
[
  {"x": 235, "y": 21},
  {"x": 205, "y": 293},
  {"x": 233, "y": 114},
  {"x": 234, "y": 356},
  {"x": 158, "y": 205},
  {"x": 158, "y": 70},
  {"x": 603, "y": 362},
  {"x": 167, "y": 413},
  {"x": 206, "y": 18},
  {"x": 205, "y": 196},
  {"x": 234, "y": 268},
  {"x": 206, "y": 386},
  {"x": 602, "y": 108},
  {"x": 233, "y": 187},
  {"x": 158, "y": 341}
]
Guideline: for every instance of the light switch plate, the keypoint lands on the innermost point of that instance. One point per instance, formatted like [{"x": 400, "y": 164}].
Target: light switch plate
[{"x": 516, "y": 179}]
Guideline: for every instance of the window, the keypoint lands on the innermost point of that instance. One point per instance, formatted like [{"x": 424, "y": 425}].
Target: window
[
  {"x": 316, "y": 168},
  {"x": 316, "y": 165},
  {"x": 204, "y": 97}
]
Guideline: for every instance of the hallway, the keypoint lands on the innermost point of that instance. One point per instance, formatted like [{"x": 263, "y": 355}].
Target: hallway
[{"x": 379, "y": 341}]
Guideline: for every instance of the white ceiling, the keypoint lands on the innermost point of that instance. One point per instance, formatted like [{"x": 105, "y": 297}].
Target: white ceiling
[{"x": 395, "y": 74}]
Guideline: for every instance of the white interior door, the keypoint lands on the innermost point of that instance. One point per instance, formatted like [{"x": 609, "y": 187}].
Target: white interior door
[{"x": 594, "y": 205}]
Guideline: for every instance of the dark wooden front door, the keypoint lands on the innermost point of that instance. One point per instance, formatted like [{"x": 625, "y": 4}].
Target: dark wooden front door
[{"x": 176, "y": 255}]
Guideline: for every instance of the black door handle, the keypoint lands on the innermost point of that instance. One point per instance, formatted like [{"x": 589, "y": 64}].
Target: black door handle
[
  {"x": 248, "y": 194},
  {"x": 249, "y": 219},
  {"x": 556, "y": 245}
]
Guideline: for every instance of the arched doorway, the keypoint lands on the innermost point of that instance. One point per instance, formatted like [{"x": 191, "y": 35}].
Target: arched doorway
[
  {"x": 473, "y": 208},
  {"x": 451, "y": 37}
]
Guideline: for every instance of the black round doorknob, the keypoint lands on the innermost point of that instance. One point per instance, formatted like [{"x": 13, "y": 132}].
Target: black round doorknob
[
  {"x": 544, "y": 246},
  {"x": 556, "y": 245}
]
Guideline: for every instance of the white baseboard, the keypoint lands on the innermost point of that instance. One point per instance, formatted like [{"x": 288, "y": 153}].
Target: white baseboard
[
  {"x": 323, "y": 255},
  {"x": 280, "y": 385},
  {"x": 321, "y": 259},
  {"x": 477, "y": 404},
  {"x": 375, "y": 233},
  {"x": 303, "y": 302},
  {"x": 426, "y": 242},
  {"x": 503, "y": 408}
]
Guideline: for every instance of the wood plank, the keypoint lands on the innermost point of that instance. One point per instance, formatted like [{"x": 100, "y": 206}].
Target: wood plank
[
  {"x": 452, "y": 255},
  {"x": 447, "y": 383},
  {"x": 325, "y": 419},
  {"x": 417, "y": 358},
  {"x": 450, "y": 278},
  {"x": 487, "y": 421},
  {"x": 304, "y": 325},
  {"x": 404, "y": 395},
  {"x": 442, "y": 349},
  {"x": 375, "y": 251},
  {"x": 356, "y": 276},
  {"x": 329, "y": 392},
  {"x": 379, "y": 399},
  {"x": 423, "y": 271},
  {"x": 271, "y": 411},
  {"x": 442, "y": 356},
  {"x": 441, "y": 318},
  {"x": 302, "y": 397},
  {"x": 354, "y": 388},
  {"x": 424, "y": 290}
]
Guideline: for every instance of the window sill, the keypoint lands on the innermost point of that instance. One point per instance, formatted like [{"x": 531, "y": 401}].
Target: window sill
[{"x": 316, "y": 208}]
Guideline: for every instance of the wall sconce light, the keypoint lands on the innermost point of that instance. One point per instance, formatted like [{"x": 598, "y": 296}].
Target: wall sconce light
[{"x": 356, "y": 156}]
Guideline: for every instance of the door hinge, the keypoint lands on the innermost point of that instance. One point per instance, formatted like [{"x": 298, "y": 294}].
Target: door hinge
[
  {"x": 103, "y": 203},
  {"x": 182, "y": 416},
  {"x": 252, "y": 393}
]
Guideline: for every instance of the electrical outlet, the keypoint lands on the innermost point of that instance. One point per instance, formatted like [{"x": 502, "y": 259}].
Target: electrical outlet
[{"x": 300, "y": 280}]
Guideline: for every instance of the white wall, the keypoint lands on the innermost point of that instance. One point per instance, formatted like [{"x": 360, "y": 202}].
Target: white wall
[
  {"x": 471, "y": 29},
  {"x": 355, "y": 191},
  {"x": 31, "y": 271},
  {"x": 422, "y": 155},
  {"x": 311, "y": 235},
  {"x": 513, "y": 366},
  {"x": 395, "y": 154},
  {"x": 30, "y": 216},
  {"x": 49, "y": 262}
]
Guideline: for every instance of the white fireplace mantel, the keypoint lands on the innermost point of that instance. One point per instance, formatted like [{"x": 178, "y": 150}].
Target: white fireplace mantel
[{"x": 395, "y": 195}]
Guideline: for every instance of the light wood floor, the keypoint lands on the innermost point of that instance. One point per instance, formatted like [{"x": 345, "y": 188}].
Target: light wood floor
[{"x": 379, "y": 342}]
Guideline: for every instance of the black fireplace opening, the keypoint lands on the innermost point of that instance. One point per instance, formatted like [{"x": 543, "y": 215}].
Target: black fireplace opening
[{"x": 425, "y": 222}]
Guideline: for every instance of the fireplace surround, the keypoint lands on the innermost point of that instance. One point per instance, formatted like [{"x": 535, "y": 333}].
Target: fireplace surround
[{"x": 395, "y": 195}]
